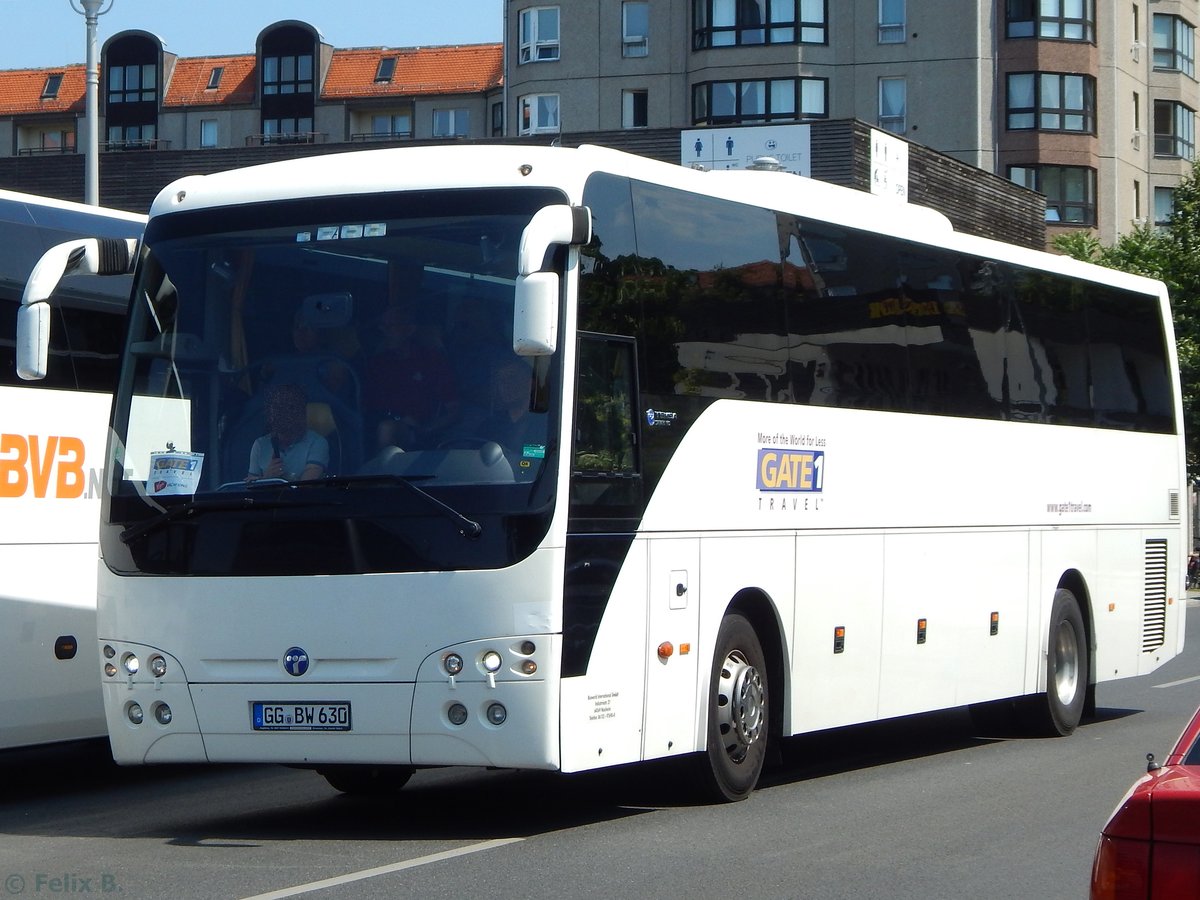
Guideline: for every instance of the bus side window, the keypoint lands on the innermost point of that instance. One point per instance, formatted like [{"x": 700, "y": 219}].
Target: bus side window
[{"x": 605, "y": 462}]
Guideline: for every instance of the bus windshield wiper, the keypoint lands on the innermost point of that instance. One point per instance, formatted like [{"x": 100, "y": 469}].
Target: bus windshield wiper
[
  {"x": 468, "y": 528},
  {"x": 193, "y": 507}
]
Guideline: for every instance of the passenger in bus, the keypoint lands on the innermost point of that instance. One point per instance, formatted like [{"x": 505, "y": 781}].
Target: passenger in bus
[
  {"x": 513, "y": 424},
  {"x": 290, "y": 449},
  {"x": 410, "y": 390}
]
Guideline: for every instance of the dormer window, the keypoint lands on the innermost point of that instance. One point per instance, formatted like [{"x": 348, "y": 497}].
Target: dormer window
[
  {"x": 387, "y": 68},
  {"x": 53, "y": 83},
  {"x": 214, "y": 78}
]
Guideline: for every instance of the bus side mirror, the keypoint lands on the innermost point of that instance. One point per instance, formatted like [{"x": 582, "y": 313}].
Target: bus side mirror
[
  {"x": 535, "y": 310},
  {"x": 83, "y": 256}
]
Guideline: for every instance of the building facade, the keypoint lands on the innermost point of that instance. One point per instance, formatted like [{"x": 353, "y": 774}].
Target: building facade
[{"x": 1090, "y": 102}]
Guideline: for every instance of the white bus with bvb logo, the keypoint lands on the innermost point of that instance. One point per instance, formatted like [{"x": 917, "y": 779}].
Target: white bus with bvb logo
[
  {"x": 560, "y": 458},
  {"x": 52, "y": 439}
]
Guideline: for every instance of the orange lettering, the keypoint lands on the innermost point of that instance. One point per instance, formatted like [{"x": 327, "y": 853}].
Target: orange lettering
[
  {"x": 41, "y": 464},
  {"x": 14, "y": 480},
  {"x": 71, "y": 481}
]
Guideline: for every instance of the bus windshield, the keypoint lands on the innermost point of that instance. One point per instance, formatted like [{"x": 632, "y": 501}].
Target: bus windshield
[{"x": 333, "y": 380}]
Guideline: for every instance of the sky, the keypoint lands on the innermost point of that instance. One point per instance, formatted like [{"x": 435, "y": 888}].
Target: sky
[{"x": 46, "y": 33}]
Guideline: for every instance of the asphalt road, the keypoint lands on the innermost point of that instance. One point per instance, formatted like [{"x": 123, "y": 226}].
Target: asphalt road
[{"x": 916, "y": 808}]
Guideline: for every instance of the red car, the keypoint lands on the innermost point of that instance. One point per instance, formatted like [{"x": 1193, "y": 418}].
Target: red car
[{"x": 1150, "y": 848}]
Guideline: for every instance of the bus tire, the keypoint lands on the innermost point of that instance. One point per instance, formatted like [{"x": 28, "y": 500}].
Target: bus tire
[
  {"x": 737, "y": 713},
  {"x": 366, "y": 781},
  {"x": 1059, "y": 710}
]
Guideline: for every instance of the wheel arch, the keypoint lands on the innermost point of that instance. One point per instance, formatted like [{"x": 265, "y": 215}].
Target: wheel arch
[{"x": 758, "y": 608}]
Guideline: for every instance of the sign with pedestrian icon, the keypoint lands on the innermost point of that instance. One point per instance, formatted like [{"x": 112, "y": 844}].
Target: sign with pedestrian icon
[{"x": 739, "y": 147}]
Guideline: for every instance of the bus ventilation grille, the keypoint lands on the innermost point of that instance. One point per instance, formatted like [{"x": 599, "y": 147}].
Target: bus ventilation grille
[{"x": 1154, "y": 606}]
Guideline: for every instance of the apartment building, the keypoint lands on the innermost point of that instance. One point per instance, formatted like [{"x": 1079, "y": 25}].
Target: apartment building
[
  {"x": 1090, "y": 102},
  {"x": 295, "y": 88}
]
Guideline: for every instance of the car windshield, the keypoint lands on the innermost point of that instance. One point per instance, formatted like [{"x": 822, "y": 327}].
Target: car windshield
[{"x": 361, "y": 345}]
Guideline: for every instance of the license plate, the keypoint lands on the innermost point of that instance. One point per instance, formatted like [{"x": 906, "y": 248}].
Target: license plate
[{"x": 274, "y": 716}]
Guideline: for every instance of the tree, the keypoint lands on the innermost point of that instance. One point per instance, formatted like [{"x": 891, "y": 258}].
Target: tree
[{"x": 1172, "y": 255}]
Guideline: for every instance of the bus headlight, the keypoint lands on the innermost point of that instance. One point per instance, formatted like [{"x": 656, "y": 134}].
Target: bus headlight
[
  {"x": 158, "y": 666},
  {"x": 491, "y": 661},
  {"x": 130, "y": 663},
  {"x": 452, "y": 663}
]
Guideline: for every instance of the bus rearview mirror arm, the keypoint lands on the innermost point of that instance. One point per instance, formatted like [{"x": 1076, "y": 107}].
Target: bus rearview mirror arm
[
  {"x": 535, "y": 310},
  {"x": 83, "y": 256}
]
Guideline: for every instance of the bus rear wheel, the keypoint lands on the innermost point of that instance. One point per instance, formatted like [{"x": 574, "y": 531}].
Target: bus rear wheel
[
  {"x": 737, "y": 713},
  {"x": 365, "y": 781}
]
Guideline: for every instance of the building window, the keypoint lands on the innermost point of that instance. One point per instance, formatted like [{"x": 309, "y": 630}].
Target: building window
[
  {"x": 288, "y": 130},
  {"x": 777, "y": 100},
  {"x": 539, "y": 34},
  {"x": 208, "y": 132},
  {"x": 214, "y": 78},
  {"x": 1164, "y": 205},
  {"x": 451, "y": 122},
  {"x": 539, "y": 114},
  {"x": 891, "y": 21},
  {"x": 634, "y": 106},
  {"x": 1062, "y": 20},
  {"x": 497, "y": 120},
  {"x": 1174, "y": 45},
  {"x": 1050, "y": 101},
  {"x": 728, "y": 23},
  {"x": 893, "y": 105},
  {"x": 132, "y": 84},
  {"x": 51, "y": 87},
  {"x": 132, "y": 137},
  {"x": 1070, "y": 191},
  {"x": 1174, "y": 130},
  {"x": 635, "y": 28},
  {"x": 386, "y": 69},
  {"x": 288, "y": 74},
  {"x": 396, "y": 125}
]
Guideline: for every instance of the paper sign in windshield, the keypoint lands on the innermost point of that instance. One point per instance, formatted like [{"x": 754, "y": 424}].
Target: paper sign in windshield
[{"x": 174, "y": 472}]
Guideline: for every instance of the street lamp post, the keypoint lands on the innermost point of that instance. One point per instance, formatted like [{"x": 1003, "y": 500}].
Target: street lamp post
[{"x": 91, "y": 10}]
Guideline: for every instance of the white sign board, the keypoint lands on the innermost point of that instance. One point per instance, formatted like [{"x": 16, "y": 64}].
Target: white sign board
[
  {"x": 737, "y": 147},
  {"x": 889, "y": 166}
]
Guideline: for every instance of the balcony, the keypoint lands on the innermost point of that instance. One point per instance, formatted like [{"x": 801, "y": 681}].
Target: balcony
[
  {"x": 382, "y": 136},
  {"x": 135, "y": 144},
  {"x": 291, "y": 137}
]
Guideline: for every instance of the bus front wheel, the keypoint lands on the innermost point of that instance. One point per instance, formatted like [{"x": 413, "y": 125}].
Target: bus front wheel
[
  {"x": 737, "y": 713},
  {"x": 1061, "y": 708}
]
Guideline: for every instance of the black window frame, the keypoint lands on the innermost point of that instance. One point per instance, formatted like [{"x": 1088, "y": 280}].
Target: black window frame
[
  {"x": 746, "y": 33},
  {"x": 1040, "y": 110},
  {"x": 702, "y": 102},
  {"x": 1023, "y": 19},
  {"x": 1174, "y": 58},
  {"x": 1046, "y": 177}
]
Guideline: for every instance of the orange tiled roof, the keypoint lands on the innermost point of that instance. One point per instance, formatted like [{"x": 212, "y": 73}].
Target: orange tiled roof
[
  {"x": 189, "y": 81},
  {"x": 419, "y": 70},
  {"x": 21, "y": 90}
]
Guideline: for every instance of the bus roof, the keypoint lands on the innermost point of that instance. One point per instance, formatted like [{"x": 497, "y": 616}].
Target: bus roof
[{"x": 515, "y": 165}]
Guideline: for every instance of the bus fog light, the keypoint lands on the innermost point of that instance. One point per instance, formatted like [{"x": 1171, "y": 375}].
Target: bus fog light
[
  {"x": 158, "y": 666},
  {"x": 528, "y": 667},
  {"x": 109, "y": 652},
  {"x": 452, "y": 663},
  {"x": 491, "y": 661},
  {"x": 496, "y": 714},
  {"x": 134, "y": 713},
  {"x": 162, "y": 714},
  {"x": 130, "y": 663},
  {"x": 457, "y": 714},
  {"x": 110, "y": 670}
]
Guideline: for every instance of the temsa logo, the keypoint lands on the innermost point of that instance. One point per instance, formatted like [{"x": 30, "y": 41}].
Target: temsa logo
[{"x": 41, "y": 463}]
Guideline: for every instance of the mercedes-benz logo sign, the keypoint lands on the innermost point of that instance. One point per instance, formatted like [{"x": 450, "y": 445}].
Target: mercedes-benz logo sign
[{"x": 295, "y": 661}]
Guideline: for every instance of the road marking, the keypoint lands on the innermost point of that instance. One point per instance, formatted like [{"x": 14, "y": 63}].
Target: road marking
[
  {"x": 383, "y": 870},
  {"x": 1179, "y": 682}
]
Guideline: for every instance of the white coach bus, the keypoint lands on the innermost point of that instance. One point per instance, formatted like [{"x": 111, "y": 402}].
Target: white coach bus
[
  {"x": 52, "y": 438},
  {"x": 564, "y": 458}
]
